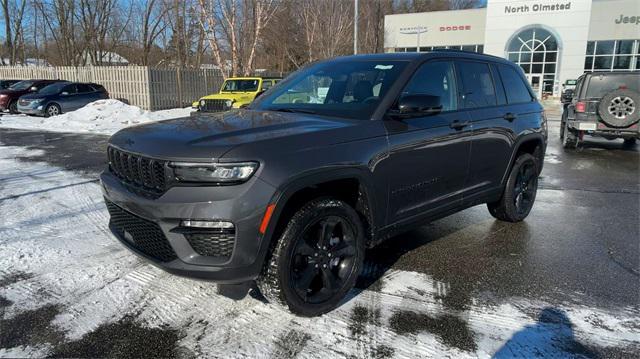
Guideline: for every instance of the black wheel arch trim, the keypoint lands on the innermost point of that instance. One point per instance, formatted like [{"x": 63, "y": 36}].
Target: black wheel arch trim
[
  {"x": 536, "y": 136},
  {"x": 317, "y": 177}
]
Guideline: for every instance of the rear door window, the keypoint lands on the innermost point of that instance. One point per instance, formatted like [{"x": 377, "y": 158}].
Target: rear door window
[
  {"x": 502, "y": 97},
  {"x": 515, "y": 88},
  {"x": 477, "y": 84}
]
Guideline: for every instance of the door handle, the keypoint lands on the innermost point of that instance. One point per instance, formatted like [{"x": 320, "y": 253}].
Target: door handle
[
  {"x": 459, "y": 125},
  {"x": 509, "y": 116}
]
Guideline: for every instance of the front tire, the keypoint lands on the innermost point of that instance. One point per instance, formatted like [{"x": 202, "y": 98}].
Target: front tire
[
  {"x": 13, "y": 107},
  {"x": 52, "y": 110},
  {"x": 520, "y": 191},
  {"x": 316, "y": 260}
]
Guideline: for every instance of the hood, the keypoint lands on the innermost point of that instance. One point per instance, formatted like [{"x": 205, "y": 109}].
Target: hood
[
  {"x": 218, "y": 96},
  {"x": 13, "y": 92},
  {"x": 210, "y": 136},
  {"x": 33, "y": 95}
]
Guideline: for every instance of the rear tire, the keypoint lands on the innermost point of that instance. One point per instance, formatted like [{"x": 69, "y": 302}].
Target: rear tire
[
  {"x": 316, "y": 260},
  {"x": 519, "y": 193},
  {"x": 569, "y": 138},
  {"x": 52, "y": 110}
]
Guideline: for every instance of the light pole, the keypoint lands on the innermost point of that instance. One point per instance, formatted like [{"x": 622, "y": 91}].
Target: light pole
[{"x": 355, "y": 27}]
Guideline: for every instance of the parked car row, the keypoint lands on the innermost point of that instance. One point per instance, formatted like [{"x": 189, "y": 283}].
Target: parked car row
[{"x": 47, "y": 97}]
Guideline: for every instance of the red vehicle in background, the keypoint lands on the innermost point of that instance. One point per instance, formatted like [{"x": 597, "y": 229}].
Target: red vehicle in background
[{"x": 9, "y": 97}]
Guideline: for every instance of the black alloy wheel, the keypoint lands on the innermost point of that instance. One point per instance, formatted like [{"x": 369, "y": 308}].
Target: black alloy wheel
[
  {"x": 520, "y": 191},
  {"x": 323, "y": 259},
  {"x": 316, "y": 259},
  {"x": 524, "y": 190}
]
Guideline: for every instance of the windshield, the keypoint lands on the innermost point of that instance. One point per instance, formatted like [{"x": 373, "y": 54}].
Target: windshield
[
  {"x": 340, "y": 89},
  {"x": 22, "y": 85},
  {"x": 241, "y": 85},
  {"x": 602, "y": 85},
  {"x": 53, "y": 88}
]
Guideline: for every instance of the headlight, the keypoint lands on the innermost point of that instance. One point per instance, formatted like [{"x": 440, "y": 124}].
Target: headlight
[
  {"x": 37, "y": 100},
  {"x": 229, "y": 103},
  {"x": 213, "y": 172},
  {"x": 202, "y": 103},
  {"x": 3, "y": 95}
]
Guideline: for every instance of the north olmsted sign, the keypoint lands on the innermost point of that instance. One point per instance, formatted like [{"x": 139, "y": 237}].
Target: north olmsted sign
[{"x": 537, "y": 7}]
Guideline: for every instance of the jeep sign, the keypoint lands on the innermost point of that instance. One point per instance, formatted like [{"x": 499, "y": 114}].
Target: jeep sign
[{"x": 628, "y": 19}]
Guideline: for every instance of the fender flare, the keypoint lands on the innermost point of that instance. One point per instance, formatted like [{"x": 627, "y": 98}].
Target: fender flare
[
  {"x": 316, "y": 177},
  {"x": 535, "y": 136}
]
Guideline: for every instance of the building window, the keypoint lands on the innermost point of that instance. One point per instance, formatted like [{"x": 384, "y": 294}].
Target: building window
[
  {"x": 536, "y": 51},
  {"x": 472, "y": 48},
  {"x": 612, "y": 55}
]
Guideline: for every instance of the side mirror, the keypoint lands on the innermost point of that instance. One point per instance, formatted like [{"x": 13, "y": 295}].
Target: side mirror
[
  {"x": 566, "y": 96},
  {"x": 418, "y": 105}
]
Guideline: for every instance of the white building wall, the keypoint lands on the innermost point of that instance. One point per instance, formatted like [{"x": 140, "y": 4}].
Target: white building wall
[
  {"x": 615, "y": 20},
  {"x": 570, "y": 24}
]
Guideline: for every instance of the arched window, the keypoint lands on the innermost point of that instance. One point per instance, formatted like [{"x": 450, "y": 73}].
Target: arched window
[{"x": 536, "y": 51}]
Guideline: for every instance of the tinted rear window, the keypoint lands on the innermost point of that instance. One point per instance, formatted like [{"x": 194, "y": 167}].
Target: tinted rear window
[
  {"x": 602, "y": 85},
  {"x": 514, "y": 85},
  {"x": 477, "y": 84}
]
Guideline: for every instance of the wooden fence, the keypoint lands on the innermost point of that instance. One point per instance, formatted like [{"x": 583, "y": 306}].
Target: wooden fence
[{"x": 142, "y": 86}]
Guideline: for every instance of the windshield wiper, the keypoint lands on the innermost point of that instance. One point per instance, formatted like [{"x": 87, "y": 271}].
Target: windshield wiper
[{"x": 294, "y": 110}]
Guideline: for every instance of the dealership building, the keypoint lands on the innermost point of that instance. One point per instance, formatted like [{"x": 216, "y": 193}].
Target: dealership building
[{"x": 551, "y": 40}]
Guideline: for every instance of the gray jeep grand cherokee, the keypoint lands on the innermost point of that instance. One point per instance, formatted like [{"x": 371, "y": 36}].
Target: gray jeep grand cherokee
[{"x": 339, "y": 156}]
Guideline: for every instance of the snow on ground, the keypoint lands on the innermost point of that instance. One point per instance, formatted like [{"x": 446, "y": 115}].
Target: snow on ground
[
  {"x": 103, "y": 116},
  {"x": 55, "y": 245}
]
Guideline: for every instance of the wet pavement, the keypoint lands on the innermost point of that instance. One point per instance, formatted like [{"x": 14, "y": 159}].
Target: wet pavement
[{"x": 580, "y": 244}]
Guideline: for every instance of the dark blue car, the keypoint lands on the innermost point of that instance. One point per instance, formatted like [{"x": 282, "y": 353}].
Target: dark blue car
[{"x": 61, "y": 97}]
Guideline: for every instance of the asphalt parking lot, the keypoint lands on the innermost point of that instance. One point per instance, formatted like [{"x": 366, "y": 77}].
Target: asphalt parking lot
[{"x": 565, "y": 282}]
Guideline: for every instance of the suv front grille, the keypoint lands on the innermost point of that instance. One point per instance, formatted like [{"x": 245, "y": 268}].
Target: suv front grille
[
  {"x": 142, "y": 172},
  {"x": 212, "y": 244},
  {"x": 215, "y": 105},
  {"x": 145, "y": 236}
]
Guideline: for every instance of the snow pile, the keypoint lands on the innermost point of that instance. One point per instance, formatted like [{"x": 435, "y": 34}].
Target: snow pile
[
  {"x": 60, "y": 254},
  {"x": 102, "y": 116}
]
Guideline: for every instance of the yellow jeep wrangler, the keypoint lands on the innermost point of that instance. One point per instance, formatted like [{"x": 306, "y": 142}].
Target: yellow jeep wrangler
[{"x": 236, "y": 92}]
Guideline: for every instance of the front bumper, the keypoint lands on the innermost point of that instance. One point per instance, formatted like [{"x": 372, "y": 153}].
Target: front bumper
[
  {"x": 243, "y": 204},
  {"x": 31, "y": 109}
]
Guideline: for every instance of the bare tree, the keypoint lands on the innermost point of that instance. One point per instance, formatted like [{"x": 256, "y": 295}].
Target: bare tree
[
  {"x": 235, "y": 27},
  {"x": 14, "y": 11}
]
